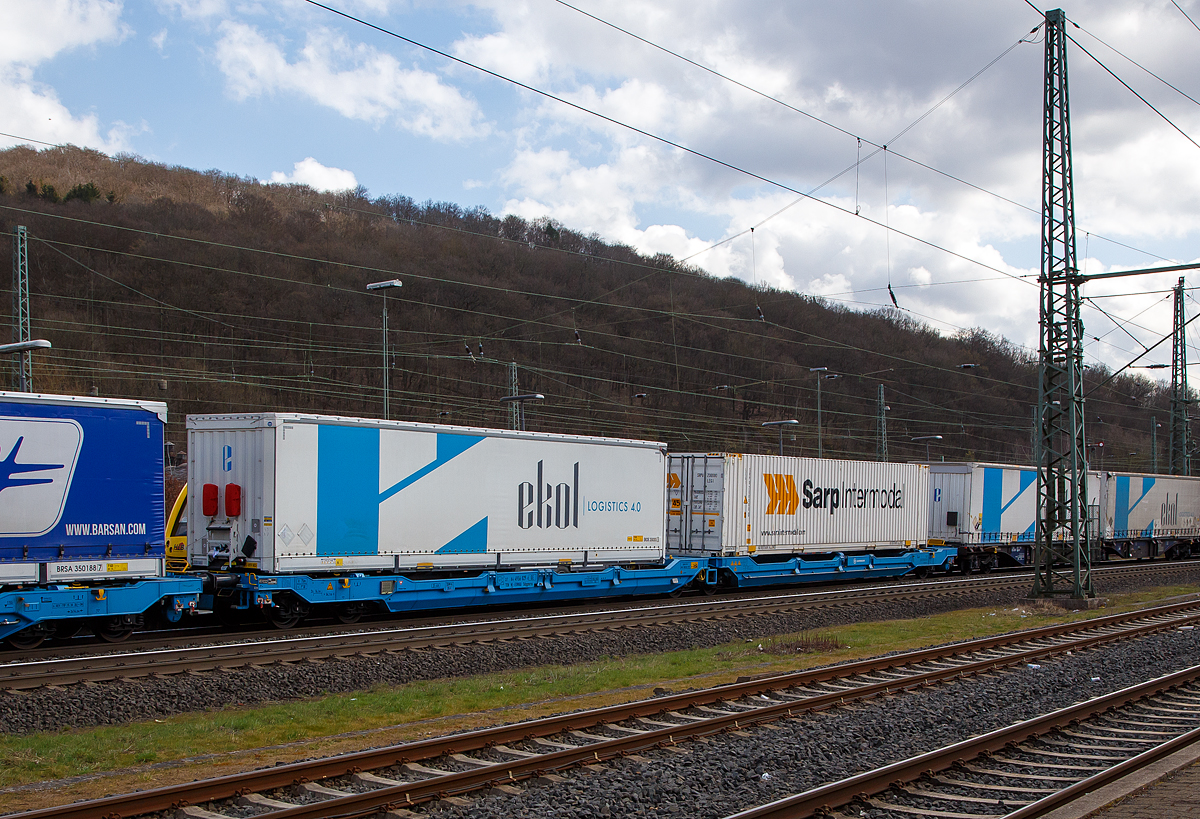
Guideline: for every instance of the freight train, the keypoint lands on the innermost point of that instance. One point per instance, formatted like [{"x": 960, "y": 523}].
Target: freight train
[{"x": 289, "y": 515}]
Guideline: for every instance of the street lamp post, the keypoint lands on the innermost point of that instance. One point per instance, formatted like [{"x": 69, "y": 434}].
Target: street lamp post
[
  {"x": 781, "y": 425},
  {"x": 385, "y": 286},
  {"x": 25, "y": 348},
  {"x": 822, "y": 373},
  {"x": 927, "y": 439},
  {"x": 521, "y": 399},
  {"x": 1154, "y": 425}
]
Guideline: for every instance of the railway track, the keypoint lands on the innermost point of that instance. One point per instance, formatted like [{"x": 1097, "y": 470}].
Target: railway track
[
  {"x": 276, "y": 647},
  {"x": 1022, "y": 771},
  {"x": 31, "y": 670},
  {"x": 183, "y": 638},
  {"x": 403, "y": 776}
]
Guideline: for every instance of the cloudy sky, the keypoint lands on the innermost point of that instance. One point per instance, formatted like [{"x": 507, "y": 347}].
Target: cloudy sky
[{"x": 284, "y": 90}]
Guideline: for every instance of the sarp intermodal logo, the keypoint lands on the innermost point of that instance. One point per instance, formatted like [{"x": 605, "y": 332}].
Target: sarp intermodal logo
[{"x": 37, "y": 462}]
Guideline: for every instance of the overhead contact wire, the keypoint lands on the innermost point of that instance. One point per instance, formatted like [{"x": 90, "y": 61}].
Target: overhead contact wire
[{"x": 655, "y": 137}]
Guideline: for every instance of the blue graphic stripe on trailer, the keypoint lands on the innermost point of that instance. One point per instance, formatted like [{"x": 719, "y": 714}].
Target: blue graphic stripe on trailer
[
  {"x": 1147, "y": 485},
  {"x": 448, "y": 447},
  {"x": 993, "y": 480},
  {"x": 1027, "y": 478},
  {"x": 471, "y": 542},
  {"x": 1121, "y": 510},
  {"x": 347, "y": 490},
  {"x": 994, "y": 505}
]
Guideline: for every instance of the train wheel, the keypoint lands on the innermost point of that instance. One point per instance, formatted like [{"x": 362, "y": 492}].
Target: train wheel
[
  {"x": 112, "y": 629},
  {"x": 283, "y": 621},
  {"x": 286, "y": 613},
  {"x": 349, "y": 613},
  {"x": 31, "y": 637}
]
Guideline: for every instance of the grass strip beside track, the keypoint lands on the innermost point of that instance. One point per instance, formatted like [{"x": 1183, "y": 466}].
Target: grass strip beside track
[{"x": 100, "y": 761}]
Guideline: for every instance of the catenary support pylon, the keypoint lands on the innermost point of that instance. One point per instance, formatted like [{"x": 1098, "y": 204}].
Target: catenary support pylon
[
  {"x": 514, "y": 409},
  {"x": 23, "y": 361},
  {"x": 881, "y": 453},
  {"x": 1062, "y": 561},
  {"x": 1178, "y": 461}
]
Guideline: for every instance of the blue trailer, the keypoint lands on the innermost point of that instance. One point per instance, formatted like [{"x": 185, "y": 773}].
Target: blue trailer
[{"x": 82, "y": 518}]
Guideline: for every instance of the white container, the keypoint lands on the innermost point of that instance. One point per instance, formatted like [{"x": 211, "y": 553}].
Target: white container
[
  {"x": 1150, "y": 507},
  {"x": 331, "y": 494},
  {"x": 730, "y": 504},
  {"x": 981, "y": 503}
]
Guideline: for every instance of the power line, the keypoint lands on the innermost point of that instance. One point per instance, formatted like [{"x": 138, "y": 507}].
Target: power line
[
  {"x": 652, "y": 136},
  {"x": 878, "y": 147},
  {"x": 328, "y": 286},
  {"x": 1136, "y": 63},
  {"x": 1164, "y": 117},
  {"x": 1185, "y": 14},
  {"x": 29, "y": 139}
]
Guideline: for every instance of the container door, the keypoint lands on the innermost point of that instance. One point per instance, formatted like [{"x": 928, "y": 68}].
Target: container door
[
  {"x": 707, "y": 522},
  {"x": 676, "y": 530},
  {"x": 226, "y": 495},
  {"x": 695, "y": 486},
  {"x": 949, "y": 506}
]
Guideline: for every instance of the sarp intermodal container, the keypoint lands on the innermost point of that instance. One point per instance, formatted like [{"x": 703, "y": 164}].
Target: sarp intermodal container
[
  {"x": 293, "y": 493},
  {"x": 81, "y": 488},
  {"x": 731, "y": 504}
]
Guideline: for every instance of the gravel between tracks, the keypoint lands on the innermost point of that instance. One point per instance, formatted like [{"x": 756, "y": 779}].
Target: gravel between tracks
[
  {"x": 740, "y": 770},
  {"x": 124, "y": 701}
]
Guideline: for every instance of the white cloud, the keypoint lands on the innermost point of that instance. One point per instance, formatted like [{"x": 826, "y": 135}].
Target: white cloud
[
  {"x": 34, "y": 112},
  {"x": 35, "y": 33},
  {"x": 355, "y": 80},
  {"x": 920, "y": 276},
  {"x": 1140, "y": 183},
  {"x": 1136, "y": 180},
  {"x": 197, "y": 9},
  {"x": 310, "y": 172},
  {"x": 831, "y": 284}
]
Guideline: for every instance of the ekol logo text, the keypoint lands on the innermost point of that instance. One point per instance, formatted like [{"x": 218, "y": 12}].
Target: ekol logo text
[{"x": 554, "y": 505}]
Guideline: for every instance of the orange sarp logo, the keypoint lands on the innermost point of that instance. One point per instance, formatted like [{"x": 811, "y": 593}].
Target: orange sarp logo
[{"x": 781, "y": 490}]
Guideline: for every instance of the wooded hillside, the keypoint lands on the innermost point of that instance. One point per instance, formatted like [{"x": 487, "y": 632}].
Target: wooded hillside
[{"x": 218, "y": 293}]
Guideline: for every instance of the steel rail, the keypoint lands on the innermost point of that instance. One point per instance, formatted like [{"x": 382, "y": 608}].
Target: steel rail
[
  {"x": 411, "y": 793},
  {"x": 99, "y": 662},
  {"x": 884, "y": 588},
  {"x": 1099, "y": 780},
  {"x": 108, "y": 666},
  {"x": 838, "y": 794}
]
